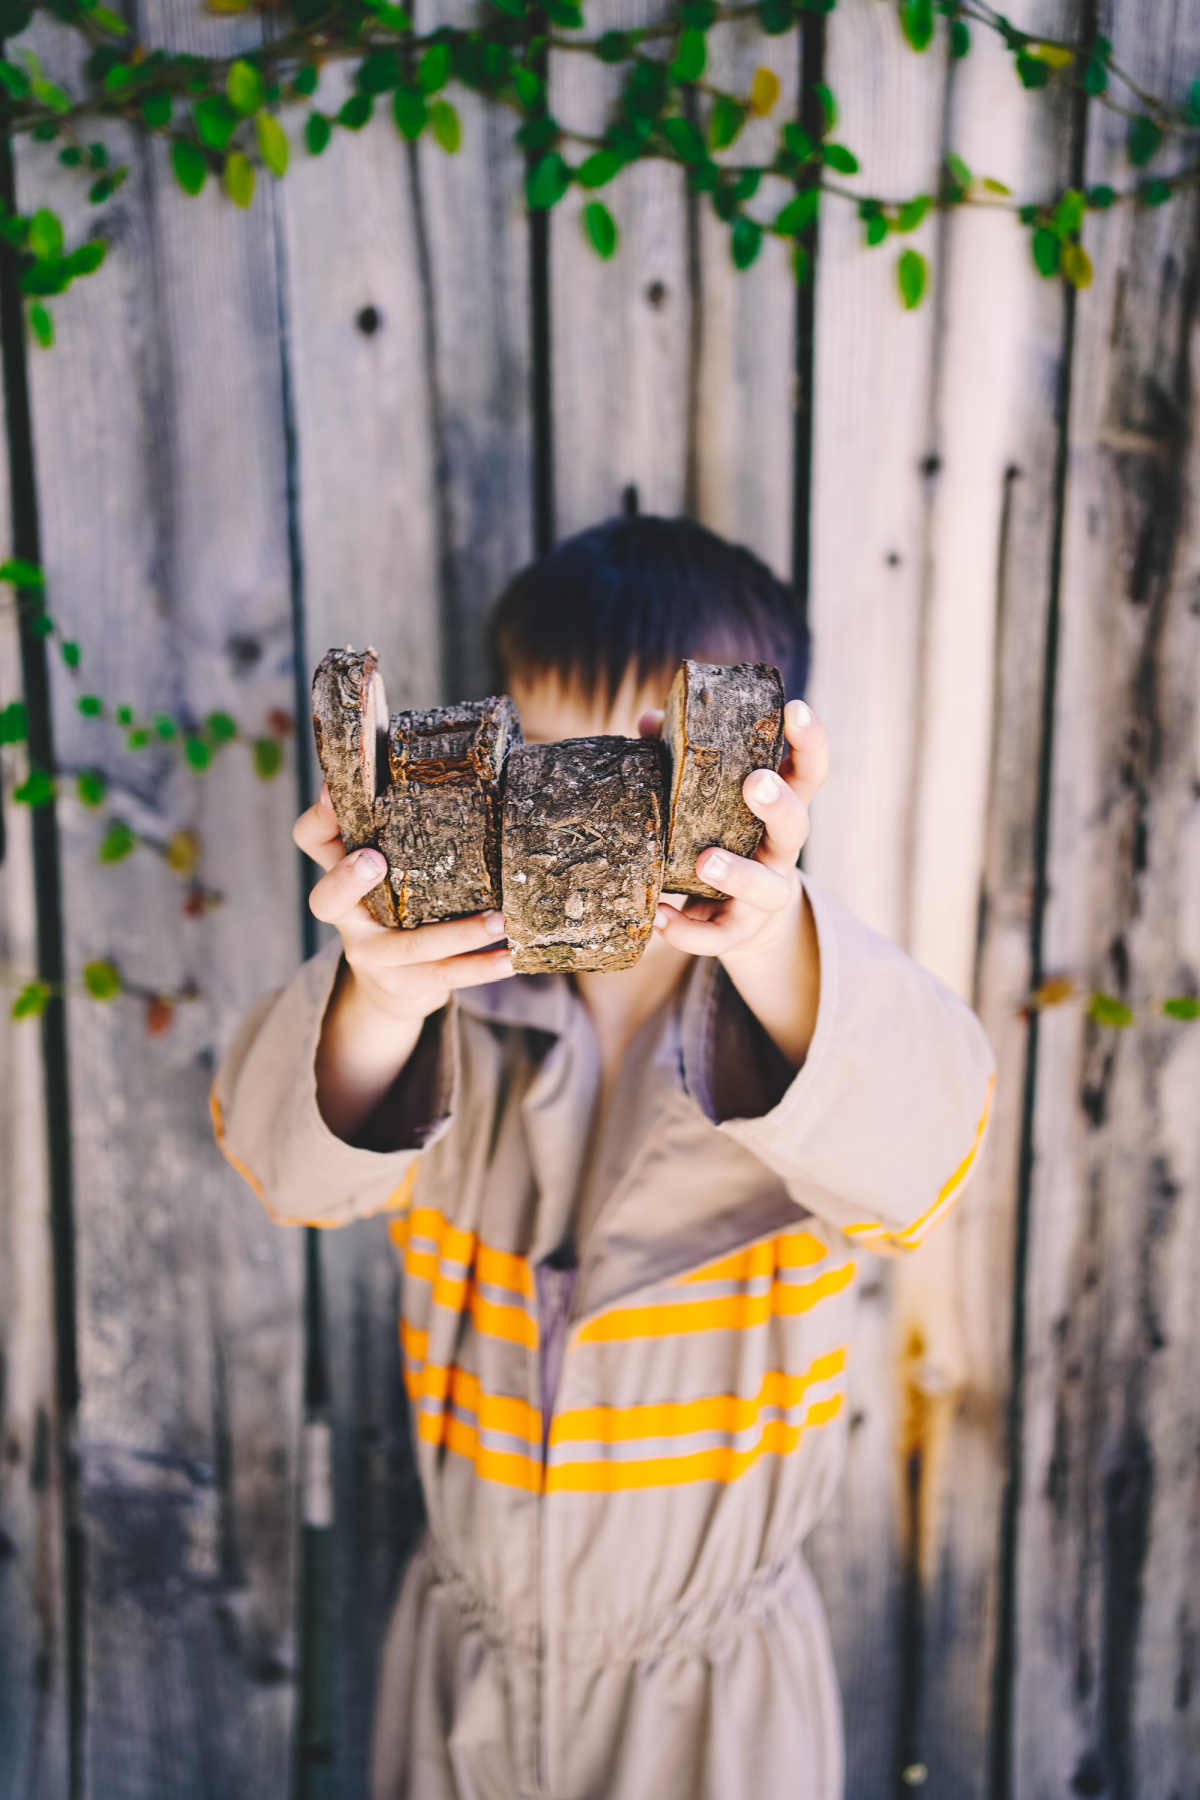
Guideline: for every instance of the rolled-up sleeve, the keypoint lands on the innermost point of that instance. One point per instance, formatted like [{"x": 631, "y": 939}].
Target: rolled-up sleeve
[
  {"x": 269, "y": 1126},
  {"x": 880, "y": 1130}
]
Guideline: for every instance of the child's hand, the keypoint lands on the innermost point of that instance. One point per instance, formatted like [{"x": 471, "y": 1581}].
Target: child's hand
[
  {"x": 763, "y": 933},
  {"x": 393, "y": 980}
]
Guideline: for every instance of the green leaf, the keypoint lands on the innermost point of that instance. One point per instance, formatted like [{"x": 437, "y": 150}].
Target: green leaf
[
  {"x": 1095, "y": 77},
  {"x": 692, "y": 56},
  {"x": 356, "y": 111},
  {"x": 216, "y": 122},
  {"x": 528, "y": 85},
  {"x": 910, "y": 215},
  {"x": 138, "y": 738},
  {"x": 36, "y": 790},
  {"x": 685, "y": 140},
  {"x": 107, "y": 185},
  {"x": 567, "y": 13},
  {"x": 798, "y": 214},
  {"x": 1047, "y": 248},
  {"x": 1068, "y": 214},
  {"x": 30, "y": 1003},
  {"x": 1105, "y": 1009},
  {"x": 838, "y": 158},
  {"x": 41, "y": 323},
  {"x": 798, "y": 141},
  {"x": 48, "y": 277},
  {"x": 244, "y": 86},
  {"x": 91, "y": 706},
  {"x": 1031, "y": 71},
  {"x": 273, "y": 144},
  {"x": 108, "y": 21},
  {"x": 599, "y": 168},
  {"x": 91, "y": 786},
  {"x": 547, "y": 182},
  {"x": 1156, "y": 192},
  {"x": 14, "y": 80},
  {"x": 102, "y": 979},
  {"x": 51, "y": 95},
  {"x": 601, "y": 228},
  {"x": 1076, "y": 265},
  {"x": 164, "y": 724},
  {"x": 875, "y": 229},
  {"x": 268, "y": 757},
  {"x": 444, "y": 123},
  {"x": 317, "y": 132},
  {"x": 87, "y": 259},
  {"x": 14, "y": 724},
  {"x": 156, "y": 110},
  {"x": 71, "y": 157},
  {"x": 221, "y": 727},
  {"x": 410, "y": 113},
  {"x": 614, "y": 47},
  {"x": 916, "y": 22},
  {"x": 725, "y": 121},
  {"x": 746, "y": 185},
  {"x": 69, "y": 651},
  {"x": 124, "y": 715},
  {"x": 1193, "y": 104},
  {"x": 829, "y": 106},
  {"x": 190, "y": 166},
  {"x": 745, "y": 241},
  {"x": 305, "y": 80},
  {"x": 197, "y": 752},
  {"x": 1182, "y": 1006},
  {"x": 378, "y": 73},
  {"x": 959, "y": 172},
  {"x": 1101, "y": 198},
  {"x": 21, "y": 573},
  {"x": 802, "y": 266},
  {"x": 1145, "y": 136},
  {"x": 238, "y": 178},
  {"x": 434, "y": 70},
  {"x": 41, "y": 624},
  {"x": 960, "y": 38},
  {"x": 45, "y": 234},
  {"x": 910, "y": 278}
]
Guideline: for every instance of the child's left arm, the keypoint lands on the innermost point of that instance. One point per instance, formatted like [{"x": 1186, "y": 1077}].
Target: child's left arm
[{"x": 764, "y": 934}]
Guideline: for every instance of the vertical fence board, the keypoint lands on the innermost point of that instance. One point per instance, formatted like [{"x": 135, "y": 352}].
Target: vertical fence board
[
  {"x": 1109, "y": 1546},
  {"x": 870, "y": 438},
  {"x": 744, "y": 452},
  {"x": 33, "y": 1711},
  {"x": 992, "y": 411},
  {"x": 163, "y": 397},
  {"x": 620, "y": 332}
]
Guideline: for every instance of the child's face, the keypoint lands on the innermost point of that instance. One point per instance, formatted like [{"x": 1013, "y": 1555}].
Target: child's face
[{"x": 549, "y": 711}]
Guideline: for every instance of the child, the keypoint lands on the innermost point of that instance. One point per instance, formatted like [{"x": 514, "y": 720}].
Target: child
[{"x": 628, "y": 1207}]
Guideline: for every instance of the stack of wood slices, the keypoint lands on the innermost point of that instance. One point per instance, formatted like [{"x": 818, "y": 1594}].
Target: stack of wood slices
[{"x": 575, "y": 840}]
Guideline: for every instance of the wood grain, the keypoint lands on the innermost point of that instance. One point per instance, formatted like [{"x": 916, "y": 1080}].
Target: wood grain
[
  {"x": 33, "y": 1664},
  {"x": 1109, "y": 1545},
  {"x": 162, "y": 401}
]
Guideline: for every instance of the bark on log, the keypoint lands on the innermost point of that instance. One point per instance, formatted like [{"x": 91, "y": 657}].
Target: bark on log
[
  {"x": 441, "y": 816},
  {"x": 583, "y": 852},
  {"x": 350, "y": 725},
  {"x": 720, "y": 724}
]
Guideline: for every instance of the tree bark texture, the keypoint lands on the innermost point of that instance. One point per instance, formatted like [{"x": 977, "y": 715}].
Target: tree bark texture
[
  {"x": 720, "y": 725},
  {"x": 583, "y": 852}
]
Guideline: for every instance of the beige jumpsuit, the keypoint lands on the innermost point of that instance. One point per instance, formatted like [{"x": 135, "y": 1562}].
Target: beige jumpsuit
[{"x": 610, "y": 1602}]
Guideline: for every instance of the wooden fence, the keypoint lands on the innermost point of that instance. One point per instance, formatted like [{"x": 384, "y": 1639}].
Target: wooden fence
[{"x": 347, "y": 415}]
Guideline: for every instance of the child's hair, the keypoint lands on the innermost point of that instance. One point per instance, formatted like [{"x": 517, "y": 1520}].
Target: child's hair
[{"x": 644, "y": 592}]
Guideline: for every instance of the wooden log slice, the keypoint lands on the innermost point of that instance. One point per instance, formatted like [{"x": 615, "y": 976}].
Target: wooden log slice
[
  {"x": 441, "y": 820},
  {"x": 349, "y": 708},
  {"x": 583, "y": 852},
  {"x": 720, "y": 724}
]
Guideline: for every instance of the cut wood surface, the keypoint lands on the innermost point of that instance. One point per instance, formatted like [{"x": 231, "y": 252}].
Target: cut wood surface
[
  {"x": 350, "y": 725},
  {"x": 720, "y": 724}
]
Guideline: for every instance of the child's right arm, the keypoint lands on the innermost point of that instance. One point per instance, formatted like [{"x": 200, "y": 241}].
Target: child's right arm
[
  {"x": 295, "y": 1093},
  {"x": 390, "y": 981}
]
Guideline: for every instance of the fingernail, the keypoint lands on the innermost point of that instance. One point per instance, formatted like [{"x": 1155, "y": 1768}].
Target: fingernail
[
  {"x": 505, "y": 964},
  {"x": 369, "y": 862},
  {"x": 493, "y": 923},
  {"x": 765, "y": 787},
  {"x": 323, "y": 799},
  {"x": 715, "y": 864},
  {"x": 796, "y": 715},
  {"x": 661, "y": 917}
]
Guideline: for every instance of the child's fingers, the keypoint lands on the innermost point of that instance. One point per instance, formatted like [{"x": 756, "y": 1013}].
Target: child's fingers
[
  {"x": 650, "y": 723},
  {"x": 435, "y": 943},
  {"x": 475, "y": 971},
  {"x": 334, "y": 898},
  {"x": 760, "y": 886},
  {"x": 785, "y": 815},
  {"x": 316, "y": 832},
  {"x": 808, "y": 750},
  {"x": 698, "y": 936}
]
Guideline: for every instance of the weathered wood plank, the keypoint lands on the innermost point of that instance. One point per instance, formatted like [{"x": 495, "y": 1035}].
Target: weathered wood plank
[
  {"x": 620, "y": 340},
  {"x": 33, "y": 1665},
  {"x": 987, "y": 560},
  {"x": 745, "y": 420},
  {"x": 158, "y": 427},
  {"x": 871, "y": 410},
  {"x": 1109, "y": 1546}
]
